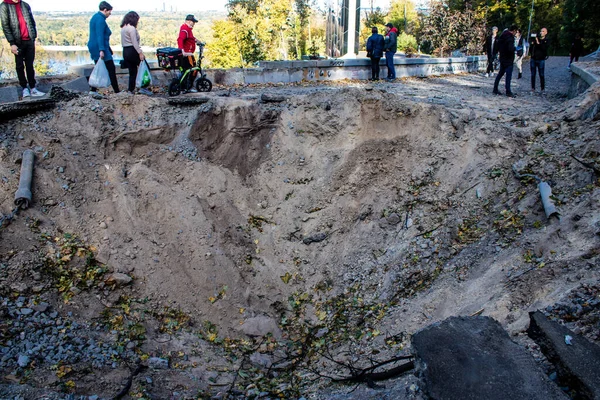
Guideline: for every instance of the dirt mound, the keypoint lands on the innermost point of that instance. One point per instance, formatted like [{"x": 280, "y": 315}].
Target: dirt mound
[{"x": 237, "y": 218}]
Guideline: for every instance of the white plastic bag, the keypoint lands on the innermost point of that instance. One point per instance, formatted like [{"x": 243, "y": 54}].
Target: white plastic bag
[
  {"x": 143, "y": 78},
  {"x": 99, "y": 77}
]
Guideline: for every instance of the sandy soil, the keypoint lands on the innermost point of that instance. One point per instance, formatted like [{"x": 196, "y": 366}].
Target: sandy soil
[{"x": 400, "y": 196}]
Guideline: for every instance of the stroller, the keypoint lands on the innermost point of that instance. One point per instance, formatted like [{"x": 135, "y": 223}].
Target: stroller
[{"x": 171, "y": 59}]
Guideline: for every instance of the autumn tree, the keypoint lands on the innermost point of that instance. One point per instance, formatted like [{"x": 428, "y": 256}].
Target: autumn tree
[{"x": 449, "y": 30}]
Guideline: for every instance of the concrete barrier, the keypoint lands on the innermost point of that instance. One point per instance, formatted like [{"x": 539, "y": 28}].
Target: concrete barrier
[
  {"x": 319, "y": 70},
  {"x": 581, "y": 80}
]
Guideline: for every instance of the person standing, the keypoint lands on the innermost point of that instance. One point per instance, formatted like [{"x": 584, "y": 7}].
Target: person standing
[
  {"x": 520, "y": 52},
  {"x": 390, "y": 48},
  {"x": 576, "y": 49},
  {"x": 375, "y": 45},
  {"x": 19, "y": 30},
  {"x": 187, "y": 43},
  {"x": 539, "y": 54},
  {"x": 491, "y": 50},
  {"x": 132, "y": 51},
  {"x": 99, "y": 43},
  {"x": 506, "y": 49}
]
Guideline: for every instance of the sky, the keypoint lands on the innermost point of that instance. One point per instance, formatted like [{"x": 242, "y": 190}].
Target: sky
[{"x": 145, "y": 5}]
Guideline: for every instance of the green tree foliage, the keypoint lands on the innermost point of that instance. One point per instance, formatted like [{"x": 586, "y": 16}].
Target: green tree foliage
[
  {"x": 403, "y": 14},
  {"x": 407, "y": 43},
  {"x": 581, "y": 17},
  {"x": 222, "y": 50},
  {"x": 447, "y": 29},
  {"x": 562, "y": 18}
]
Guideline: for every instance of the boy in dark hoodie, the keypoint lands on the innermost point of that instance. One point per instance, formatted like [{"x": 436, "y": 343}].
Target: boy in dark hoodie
[
  {"x": 19, "y": 29},
  {"x": 391, "y": 45},
  {"x": 506, "y": 49}
]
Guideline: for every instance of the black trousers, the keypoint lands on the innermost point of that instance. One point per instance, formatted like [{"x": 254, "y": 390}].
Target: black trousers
[
  {"x": 375, "y": 67},
  {"x": 490, "y": 66},
  {"x": 24, "y": 61},
  {"x": 112, "y": 74},
  {"x": 132, "y": 57},
  {"x": 189, "y": 62}
]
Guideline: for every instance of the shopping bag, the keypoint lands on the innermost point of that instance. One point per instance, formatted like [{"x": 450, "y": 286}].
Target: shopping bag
[
  {"x": 143, "y": 78},
  {"x": 99, "y": 77}
]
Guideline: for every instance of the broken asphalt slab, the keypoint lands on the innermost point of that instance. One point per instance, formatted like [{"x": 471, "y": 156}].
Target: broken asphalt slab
[
  {"x": 20, "y": 108},
  {"x": 576, "y": 359},
  {"x": 473, "y": 358}
]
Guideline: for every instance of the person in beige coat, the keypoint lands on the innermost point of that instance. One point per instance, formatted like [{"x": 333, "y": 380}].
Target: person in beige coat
[{"x": 132, "y": 51}]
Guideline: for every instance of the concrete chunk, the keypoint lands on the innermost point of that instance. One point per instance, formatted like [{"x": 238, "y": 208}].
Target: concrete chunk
[
  {"x": 9, "y": 94},
  {"x": 577, "y": 363},
  {"x": 77, "y": 85},
  {"x": 473, "y": 358}
]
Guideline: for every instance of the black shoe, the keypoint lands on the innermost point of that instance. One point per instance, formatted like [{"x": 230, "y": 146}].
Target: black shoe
[
  {"x": 496, "y": 92},
  {"x": 520, "y": 76},
  {"x": 511, "y": 95}
]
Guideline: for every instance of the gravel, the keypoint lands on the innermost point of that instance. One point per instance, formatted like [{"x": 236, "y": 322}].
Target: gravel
[{"x": 32, "y": 333}]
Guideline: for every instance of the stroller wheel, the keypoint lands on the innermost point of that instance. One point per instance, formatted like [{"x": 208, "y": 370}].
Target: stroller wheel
[
  {"x": 203, "y": 85},
  {"x": 174, "y": 88}
]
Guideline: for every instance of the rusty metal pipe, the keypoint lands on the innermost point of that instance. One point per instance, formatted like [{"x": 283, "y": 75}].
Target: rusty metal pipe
[{"x": 23, "y": 194}]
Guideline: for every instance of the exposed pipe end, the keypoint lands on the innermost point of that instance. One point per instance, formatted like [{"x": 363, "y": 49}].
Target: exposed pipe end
[{"x": 23, "y": 198}]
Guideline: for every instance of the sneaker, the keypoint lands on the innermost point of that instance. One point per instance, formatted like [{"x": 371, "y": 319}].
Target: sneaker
[
  {"x": 487, "y": 75},
  {"x": 192, "y": 90},
  {"x": 511, "y": 95},
  {"x": 496, "y": 92},
  {"x": 26, "y": 92},
  {"x": 37, "y": 93},
  {"x": 96, "y": 95},
  {"x": 520, "y": 76}
]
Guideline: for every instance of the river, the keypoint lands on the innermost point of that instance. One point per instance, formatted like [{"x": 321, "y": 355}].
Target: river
[{"x": 56, "y": 60}]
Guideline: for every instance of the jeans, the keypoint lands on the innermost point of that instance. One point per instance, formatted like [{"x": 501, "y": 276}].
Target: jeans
[
  {"x": 112, "y": 74},
  {"x": 24, "y": 62},
  {"x": 540, "y": 66},
  {"x": 504, "y": 69},
  {"x": 131, "y": 56},
  {"x": 389, "y": 62},
  {"x": 375, "y": 67}
]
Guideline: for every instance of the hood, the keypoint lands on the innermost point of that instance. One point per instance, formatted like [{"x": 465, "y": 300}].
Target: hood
[
  {"x": 394, "y": 30},
  {"x": 11, "y": 1}
]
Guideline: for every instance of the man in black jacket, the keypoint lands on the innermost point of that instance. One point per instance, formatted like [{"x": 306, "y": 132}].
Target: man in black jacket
[
  {"x": 19, "y": 29},
  {"x": 539, "y": 54},
  {"x": 506, "y": 48},
  {"x": 491, "y": 49}
]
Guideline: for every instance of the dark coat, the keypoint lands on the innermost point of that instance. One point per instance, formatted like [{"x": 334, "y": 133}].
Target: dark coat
[
  {"x": 391, "y": 41},
  {"x": 576, "y": 47},
  {"x": 539, "y": 52},
  {"x": 10, "y": 22},
  {"x": 506, "y": 48},
  {"x": 375, "y": 45},
  {"x": 487, "y": 48},
  {"x": 99, "y": 37}
]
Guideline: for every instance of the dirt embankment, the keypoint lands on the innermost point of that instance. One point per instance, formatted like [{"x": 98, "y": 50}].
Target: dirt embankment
[{"x": 237, "y": 218}]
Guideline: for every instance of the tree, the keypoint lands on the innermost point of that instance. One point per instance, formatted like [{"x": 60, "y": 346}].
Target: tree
[
  {"x": 403, "y": 14},
  {"x": 222, "y": 50},
  {"x": 448, "y": 29}
]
